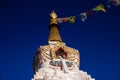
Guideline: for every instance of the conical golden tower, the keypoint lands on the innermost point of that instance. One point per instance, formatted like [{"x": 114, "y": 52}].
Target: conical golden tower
[{"x": 54, "y": 34}]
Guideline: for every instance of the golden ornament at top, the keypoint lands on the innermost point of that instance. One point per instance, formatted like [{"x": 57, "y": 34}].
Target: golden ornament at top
[{"x": 53, "y": 14}]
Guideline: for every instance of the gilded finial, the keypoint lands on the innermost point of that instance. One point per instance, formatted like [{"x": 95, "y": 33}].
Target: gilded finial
[
  {"x": 53, "y": 19},
  {"x": 53, "y": 15}
]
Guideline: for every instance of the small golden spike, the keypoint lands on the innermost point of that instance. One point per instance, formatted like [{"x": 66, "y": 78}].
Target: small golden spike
[
  {"x": 53, "y": 15},
  {"x": 53, "y": 19}
]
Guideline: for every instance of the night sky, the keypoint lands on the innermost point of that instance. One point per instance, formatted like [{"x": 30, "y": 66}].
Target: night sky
[{"x": 24, "y": 27}]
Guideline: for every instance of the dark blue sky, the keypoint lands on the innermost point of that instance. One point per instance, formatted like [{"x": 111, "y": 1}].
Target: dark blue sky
[{"x": 24, "y": 27}]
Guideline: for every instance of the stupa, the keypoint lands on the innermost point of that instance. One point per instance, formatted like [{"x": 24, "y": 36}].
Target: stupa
[{"x": 56, "y": 61}]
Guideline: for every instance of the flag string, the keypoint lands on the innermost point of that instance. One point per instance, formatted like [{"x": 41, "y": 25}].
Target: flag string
[{"x": 84, "y": 15}]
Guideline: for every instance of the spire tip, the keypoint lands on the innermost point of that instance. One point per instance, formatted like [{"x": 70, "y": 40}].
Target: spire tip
[{"x": 53, "y": 14}]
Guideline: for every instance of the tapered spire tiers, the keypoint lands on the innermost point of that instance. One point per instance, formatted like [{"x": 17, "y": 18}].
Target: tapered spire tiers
[{"x": 54, "y": 34}]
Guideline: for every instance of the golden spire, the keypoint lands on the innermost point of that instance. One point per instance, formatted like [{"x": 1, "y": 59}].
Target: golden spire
[{"x": 54, "y": 34}]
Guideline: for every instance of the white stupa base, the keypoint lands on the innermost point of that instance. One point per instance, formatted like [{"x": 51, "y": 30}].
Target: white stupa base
[{"x": 57, "y": 74}]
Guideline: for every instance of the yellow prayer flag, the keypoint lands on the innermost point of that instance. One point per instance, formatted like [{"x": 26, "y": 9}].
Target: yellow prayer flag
[{"x": 99, "y": 8}]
